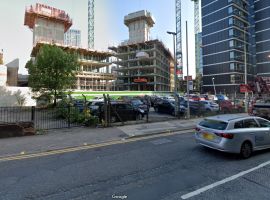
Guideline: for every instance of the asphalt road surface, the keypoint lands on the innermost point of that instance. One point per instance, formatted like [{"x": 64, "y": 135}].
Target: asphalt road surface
[{"x": 168, "y": 166}]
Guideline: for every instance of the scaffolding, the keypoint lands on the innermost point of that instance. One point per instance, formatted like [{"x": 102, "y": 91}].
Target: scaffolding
[
  {"x": 42, "y": 11},
  {"x": 91, "y": 24},
  {"x": 179, "y": 40}
]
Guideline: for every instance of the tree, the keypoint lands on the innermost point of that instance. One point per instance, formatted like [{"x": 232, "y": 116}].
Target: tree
[{"x": 53, "y": 72}]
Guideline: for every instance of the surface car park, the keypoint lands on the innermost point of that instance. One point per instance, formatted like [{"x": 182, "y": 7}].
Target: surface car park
[
  {"x": 125, "y": 111},
  {"x": 234, "y": 134},
  {"x": 168, "y": 107}
]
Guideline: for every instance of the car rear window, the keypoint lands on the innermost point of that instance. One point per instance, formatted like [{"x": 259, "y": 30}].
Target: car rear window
[{"x": 214, "y": 124}]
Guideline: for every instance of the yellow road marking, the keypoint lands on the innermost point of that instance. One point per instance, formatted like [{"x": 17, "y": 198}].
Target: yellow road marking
[{"x": 23, "y": 156}]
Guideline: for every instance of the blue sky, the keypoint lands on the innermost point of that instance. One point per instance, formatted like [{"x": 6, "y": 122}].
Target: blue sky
[{"x": 16, "y": 39}]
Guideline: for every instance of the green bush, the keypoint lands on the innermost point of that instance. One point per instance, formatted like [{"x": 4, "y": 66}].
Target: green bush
[{"x": 91, "y": 121}]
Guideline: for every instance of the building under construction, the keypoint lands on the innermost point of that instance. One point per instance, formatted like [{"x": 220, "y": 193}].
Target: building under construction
[
  {"x": 143, "y": 64},
  {"x": 49, "y": 26}
]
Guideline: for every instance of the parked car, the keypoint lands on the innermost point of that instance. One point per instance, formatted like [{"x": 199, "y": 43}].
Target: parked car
[
  {"x": 213, "y": 97},
  {"x": 193, "y": 98},
  {"x": 138, "y": 103},
  {"x": 168, "y": 107},
  {"x": 98, "y": 98},
  {"x": 240, "y": 103},
  {"x": 206, "y": 97},
  {"x": 222, "y": 97},
  {"x": 153, "y": 101},
  {"x": 124, "y": 98},
  {"x": 124, "y": 110},
  {"x": 194, "y": 106},
  {"x": 210, "y": 106},
  {"x": 226, "y": 105},
  {"x": 234, "y": 134},
  {"x": 143, "y": 100},
  {"x": 77, "y": 102},
  {"x": 167, "y": 98},
  {"x": 93, "y": 106}
]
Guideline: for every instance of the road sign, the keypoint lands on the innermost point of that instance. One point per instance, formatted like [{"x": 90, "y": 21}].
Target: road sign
[{"x": 244, "y": 89}]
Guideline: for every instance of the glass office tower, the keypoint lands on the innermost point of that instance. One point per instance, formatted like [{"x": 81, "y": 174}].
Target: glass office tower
[{"x": 232, "y": 29}]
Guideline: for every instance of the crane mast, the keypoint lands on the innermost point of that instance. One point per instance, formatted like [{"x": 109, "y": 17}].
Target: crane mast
[
  {"x": 179, "y": 40},
  {"x": 91, "y": 24}
]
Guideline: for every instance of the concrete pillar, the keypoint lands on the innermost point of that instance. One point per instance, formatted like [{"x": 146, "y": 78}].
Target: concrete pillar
[
  {"x": 78, "y": 84},
  {"x": 107, "y": 69},
  {"x": 155, "y": 87},
  {"x": 107, "y": 86}
]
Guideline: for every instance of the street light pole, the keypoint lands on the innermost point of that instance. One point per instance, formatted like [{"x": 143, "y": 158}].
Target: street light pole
[
  {"x": 175, "y": 75},
  {"x": 214, "y": 86},
  {"x": 188, "y": 111},
  {"x": 246, "y": 107}
]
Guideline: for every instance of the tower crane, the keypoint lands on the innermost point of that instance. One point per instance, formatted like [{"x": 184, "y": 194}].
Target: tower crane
[
  {"x": 91, "y": 24},
  {"x": 179, "y": 39}
]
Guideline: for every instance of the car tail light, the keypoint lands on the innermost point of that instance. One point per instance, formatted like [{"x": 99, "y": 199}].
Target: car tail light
[
  {"x": 197, "y": 129},
  {"x": 89, "y": 107},
  {"x": 212, "y": 106},
  {"x": 225, "y": 135},
  {"x": 196, "y": 105}
]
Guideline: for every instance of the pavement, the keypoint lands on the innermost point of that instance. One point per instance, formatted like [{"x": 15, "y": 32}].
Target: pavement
[{"x": 57, "y": 139}]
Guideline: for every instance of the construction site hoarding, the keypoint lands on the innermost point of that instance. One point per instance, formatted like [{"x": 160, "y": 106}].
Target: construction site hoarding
[{"x": 140, "y": 80}]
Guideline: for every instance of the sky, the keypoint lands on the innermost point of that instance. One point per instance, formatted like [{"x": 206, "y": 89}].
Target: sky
[{"x": 16, "y": 39}]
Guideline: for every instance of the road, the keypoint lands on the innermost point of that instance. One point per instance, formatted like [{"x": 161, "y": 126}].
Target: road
[{"x": 166, "y": 166}]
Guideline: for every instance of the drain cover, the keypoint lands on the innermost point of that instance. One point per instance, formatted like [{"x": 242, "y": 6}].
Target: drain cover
[
  {"x": 160, "y": 141},
  {"x": 260, "y": 176}
]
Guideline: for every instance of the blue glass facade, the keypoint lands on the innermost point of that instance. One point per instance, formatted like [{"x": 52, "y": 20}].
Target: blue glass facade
[{"x": 232, "y": 29}]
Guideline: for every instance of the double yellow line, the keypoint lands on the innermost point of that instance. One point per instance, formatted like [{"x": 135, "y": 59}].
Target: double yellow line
[{"x": 92, "y": 146}]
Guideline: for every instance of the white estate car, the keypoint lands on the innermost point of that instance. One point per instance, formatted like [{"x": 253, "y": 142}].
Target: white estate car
[{"x": 234, "y": 133}]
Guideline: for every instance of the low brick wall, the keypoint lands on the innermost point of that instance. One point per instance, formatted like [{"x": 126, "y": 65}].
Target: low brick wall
[{"x": 20, "y": 129}]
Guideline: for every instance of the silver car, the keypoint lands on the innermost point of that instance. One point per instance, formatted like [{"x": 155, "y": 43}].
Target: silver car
[{"x": 234, "y": 133}]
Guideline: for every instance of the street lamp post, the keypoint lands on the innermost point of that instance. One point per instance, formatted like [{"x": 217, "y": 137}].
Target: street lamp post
[
  {"x": 246, "y": 107},
  {"x": 214, "y": 86},
  {"x": 175, "y": 76}
]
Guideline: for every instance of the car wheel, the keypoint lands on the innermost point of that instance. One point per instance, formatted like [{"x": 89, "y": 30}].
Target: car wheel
[
  {"x": 113, "y": 119},
  {"x": 240, "y": 109},
  {"x": 246, "y": 150},
  {"x": 208, "y": 110},
  {"x": 156, "y": 109},
  {"x": 95, "y": 113},
  {"x": 226, "y": 109},
  {"x": 173, "y": 112}
]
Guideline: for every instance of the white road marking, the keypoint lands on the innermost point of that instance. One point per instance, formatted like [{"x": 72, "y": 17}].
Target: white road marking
[{"x": 194, "y": 193}]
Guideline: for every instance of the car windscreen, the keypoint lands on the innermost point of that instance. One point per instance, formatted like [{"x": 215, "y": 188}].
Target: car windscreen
[
  {"x": 214, "y": 124},
  {"x": 136, "y": 102}
]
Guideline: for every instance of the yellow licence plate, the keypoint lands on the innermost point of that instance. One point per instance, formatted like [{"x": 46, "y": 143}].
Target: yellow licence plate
[
  {"x": 264, "y": 111},
  {"x": 207, "y": 136}
]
